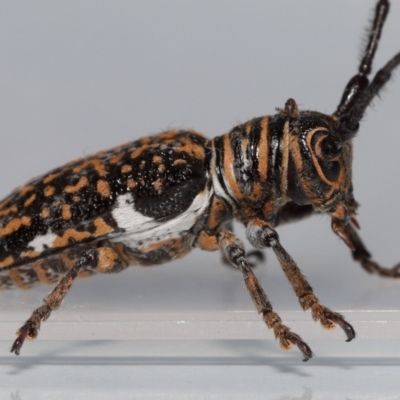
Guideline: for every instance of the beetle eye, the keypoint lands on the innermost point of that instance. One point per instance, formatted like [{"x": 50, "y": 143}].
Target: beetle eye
[{"x": 330, "y": 149}]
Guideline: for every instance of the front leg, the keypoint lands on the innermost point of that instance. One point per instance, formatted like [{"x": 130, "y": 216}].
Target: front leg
[
  {"x": 261, "y": 234},
  {"x": 233, "y": 249},
  {"x": 360, "y": 253}
]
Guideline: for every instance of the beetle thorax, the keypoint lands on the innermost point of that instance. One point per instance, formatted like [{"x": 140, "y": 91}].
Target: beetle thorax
[{"x": 261, "y": 165}]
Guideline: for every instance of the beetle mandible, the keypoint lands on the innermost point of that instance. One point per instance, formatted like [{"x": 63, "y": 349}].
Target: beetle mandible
[{"x": 155, "y": 199}]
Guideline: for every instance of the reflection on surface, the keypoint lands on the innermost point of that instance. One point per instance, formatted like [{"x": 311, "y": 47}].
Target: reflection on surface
[
  {"x": 15, "y": 396},
  {"x": 190, "y": 369},
  {"x": 307, "y": 395}
]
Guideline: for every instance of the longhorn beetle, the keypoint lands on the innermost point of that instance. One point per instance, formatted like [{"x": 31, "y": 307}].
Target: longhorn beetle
[{"x": 153, "y": 200}]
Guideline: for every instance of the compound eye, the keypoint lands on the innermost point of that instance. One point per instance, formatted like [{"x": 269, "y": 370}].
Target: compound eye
[
  {"x": 326, "y": 151},
  {"x": 329, "y": 149}
]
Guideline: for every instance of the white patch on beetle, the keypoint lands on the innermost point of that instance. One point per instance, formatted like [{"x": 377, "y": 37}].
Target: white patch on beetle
[
  {"x": 219, "y": 191},
  {"x": 42, "y": 242},
  {"x": 141, "y": 230},
  {"x": 127, "y": 217}
]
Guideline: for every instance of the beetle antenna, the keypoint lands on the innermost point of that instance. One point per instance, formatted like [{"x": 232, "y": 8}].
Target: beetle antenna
[
  {"x": 347, "y": 124},
  {"x": 359, "y": 93},
  {"x": 358, "y": 83}
]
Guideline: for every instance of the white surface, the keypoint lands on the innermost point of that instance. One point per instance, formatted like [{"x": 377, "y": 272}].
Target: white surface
[
  {"x": 207, "y": 342},
  {"x": 200, "y": 370},
  {"x": 77, "y": 77}
]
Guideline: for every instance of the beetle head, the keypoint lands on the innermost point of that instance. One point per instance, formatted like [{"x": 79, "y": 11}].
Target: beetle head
[{"x": 319, "y": 167}]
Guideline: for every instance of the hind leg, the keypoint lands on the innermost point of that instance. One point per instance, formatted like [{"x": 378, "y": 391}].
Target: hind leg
[{"x": 102, "y": 259}]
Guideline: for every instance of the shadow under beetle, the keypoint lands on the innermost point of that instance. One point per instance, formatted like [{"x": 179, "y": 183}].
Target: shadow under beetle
[{"x": 155, "y": 199}]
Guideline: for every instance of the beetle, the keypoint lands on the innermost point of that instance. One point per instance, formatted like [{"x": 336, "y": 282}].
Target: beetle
[{"x": 153, "y": 200}]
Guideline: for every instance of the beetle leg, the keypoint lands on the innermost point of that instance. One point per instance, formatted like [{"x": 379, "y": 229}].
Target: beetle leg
[
  {"x": 261, "y": 234},
  {"x": 102, "y": 259},
  {"x": 209, "y": 241},
  {"x": 224, "y": 258},
  {"x": 363, "y": 256},
  {"x": 254, "y": 257},
  {"x": 235, "y": 253}
]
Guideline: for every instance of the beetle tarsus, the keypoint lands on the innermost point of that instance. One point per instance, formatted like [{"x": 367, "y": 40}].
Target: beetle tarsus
[
  {"x": 26, "y": 331},
  {"x": 338, "y": 319},
  {"x": 288, "y": 338}
]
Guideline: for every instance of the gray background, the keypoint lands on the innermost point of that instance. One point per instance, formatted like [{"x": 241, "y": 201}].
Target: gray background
[{"x": 77, "y": 77}]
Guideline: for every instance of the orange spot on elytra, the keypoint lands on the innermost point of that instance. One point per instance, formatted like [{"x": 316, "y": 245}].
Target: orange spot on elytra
[
  {"x": 126, "y": 168},
  {"x": 45, "y": 212},
  {"x": 8, "y": 210},
  {"x": 103, "y": 188},
  {"x": 157, "y": 159},
  {"x": 49, "y": 191},
  {"x": 191, "y": 148},
  {"x": 29, "y": 254},
  {"x": 179, "y": 161},
  {"x": 168, "y": 135},
  {"x": 50, "y": 178},
  {"x": 69, "y": 234},
  {"x": 24, "y": 190},
  {"x": 116, "y": 159},
  {"x": 66, "y": 211},
  {"x": 14, "y": 225},
  {"x": 145, "y": 140},
  {"x": 131, "y": 183},
  {"x": 4, "y": 203},
  {"x": 101, "y": 227},
  {"x": 83, "y": 181},
  {"x": 92, "y": 162},
  {"x": 30, "y": 200},
  {"x": 157, "y": 184},
  {"x": 137, "y": 152}
]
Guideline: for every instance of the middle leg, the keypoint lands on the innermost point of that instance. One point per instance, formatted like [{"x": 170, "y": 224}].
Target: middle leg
[{"x": 235, "y": 253}]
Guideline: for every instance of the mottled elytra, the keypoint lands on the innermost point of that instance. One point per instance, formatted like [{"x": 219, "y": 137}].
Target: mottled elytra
[{"x": 153, "y": 200}]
